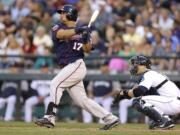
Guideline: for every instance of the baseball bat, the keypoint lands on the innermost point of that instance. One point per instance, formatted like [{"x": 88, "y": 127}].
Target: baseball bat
[{"x": 93, "y": 17}]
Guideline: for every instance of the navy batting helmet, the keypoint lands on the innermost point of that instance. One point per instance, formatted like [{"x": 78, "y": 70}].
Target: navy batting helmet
[
  {"x": 139, "y": 60},
  {"x": 71, "y": 12}
]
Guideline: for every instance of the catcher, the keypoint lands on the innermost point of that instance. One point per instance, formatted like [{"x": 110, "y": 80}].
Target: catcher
[{"x": 155, "y": 96}]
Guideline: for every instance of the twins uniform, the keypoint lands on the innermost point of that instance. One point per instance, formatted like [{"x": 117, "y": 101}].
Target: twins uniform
[
  {"x": 70, "y": 56},
  {"x": 162, "y": 93}
]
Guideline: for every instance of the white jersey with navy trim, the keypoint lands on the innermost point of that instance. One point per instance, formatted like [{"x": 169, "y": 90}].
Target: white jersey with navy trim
[
  {"x": 153, "y": 79},
  {"x": 167, "y": 101}
]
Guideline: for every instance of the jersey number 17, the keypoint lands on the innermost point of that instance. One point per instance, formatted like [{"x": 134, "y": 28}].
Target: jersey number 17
[{"x": 77, "y": 46}]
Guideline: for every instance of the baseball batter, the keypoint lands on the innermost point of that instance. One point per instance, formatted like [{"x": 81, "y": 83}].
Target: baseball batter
[
  {"x": 70, "y": 43},
  {"x": 157, "y": 96}
]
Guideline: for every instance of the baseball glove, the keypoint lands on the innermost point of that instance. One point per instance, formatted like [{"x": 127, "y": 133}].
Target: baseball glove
[{"x": 122, "y": 94}]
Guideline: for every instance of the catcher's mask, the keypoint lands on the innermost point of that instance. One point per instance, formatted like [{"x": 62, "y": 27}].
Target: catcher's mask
[{"x": 139, "y": 60}]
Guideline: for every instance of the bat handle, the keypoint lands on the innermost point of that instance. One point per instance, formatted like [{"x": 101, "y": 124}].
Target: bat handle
[{"x": 89, "y": 25}]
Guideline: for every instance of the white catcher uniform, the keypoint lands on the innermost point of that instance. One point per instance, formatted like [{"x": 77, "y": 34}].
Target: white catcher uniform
[{"x": 167, "y": 101}]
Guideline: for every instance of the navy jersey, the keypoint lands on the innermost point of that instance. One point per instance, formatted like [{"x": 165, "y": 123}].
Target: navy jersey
[
  {"x": 67, "y": 50},
  {"x": 101, "y": 88}
]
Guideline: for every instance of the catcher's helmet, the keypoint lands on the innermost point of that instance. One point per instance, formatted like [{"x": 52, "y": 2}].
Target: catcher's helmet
[
  {"x": 71, "y": 11},
  {"x": 139, "y": 60}
]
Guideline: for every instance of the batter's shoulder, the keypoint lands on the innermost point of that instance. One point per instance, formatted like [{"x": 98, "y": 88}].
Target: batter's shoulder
[{"x": 57, "y": 26}]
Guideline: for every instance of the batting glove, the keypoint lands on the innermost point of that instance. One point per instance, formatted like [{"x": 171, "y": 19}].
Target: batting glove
[
  {"x": 80, "y": 30},
  {"x": 85, "y": 37}
]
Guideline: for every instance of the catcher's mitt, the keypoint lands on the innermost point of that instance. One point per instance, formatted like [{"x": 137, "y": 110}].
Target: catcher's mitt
[{"x": 122, "y": 94}]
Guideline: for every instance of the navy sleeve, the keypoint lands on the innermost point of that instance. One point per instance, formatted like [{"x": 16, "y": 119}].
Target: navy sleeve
[
  {"x": 140, "y": 91},
  {"x": 55, "y": 28}
]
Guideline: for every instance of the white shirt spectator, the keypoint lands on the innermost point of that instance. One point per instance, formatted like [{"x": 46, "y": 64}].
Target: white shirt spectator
[
  {"x": 166, "y": 24},
  {"x": 140, "y": 30},
  {"x": 42, "y": 40}
]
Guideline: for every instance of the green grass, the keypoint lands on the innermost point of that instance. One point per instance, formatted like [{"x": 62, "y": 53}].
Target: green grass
[{"x": 21, "y": 128}]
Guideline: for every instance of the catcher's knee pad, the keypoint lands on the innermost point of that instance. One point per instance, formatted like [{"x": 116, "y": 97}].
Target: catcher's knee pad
[{"x": 138, "y": 104}]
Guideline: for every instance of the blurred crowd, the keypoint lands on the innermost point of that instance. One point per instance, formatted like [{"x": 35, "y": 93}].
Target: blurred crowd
[{"x": 123, "y": 28}]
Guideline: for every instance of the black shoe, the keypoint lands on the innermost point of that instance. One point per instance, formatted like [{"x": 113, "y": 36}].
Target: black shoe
[
  {"x": 110, "y": 126},
  {"x": 44, "y": 122},
  {"x": 153, "y": 124},
  {"x": 167, "y": 124}
]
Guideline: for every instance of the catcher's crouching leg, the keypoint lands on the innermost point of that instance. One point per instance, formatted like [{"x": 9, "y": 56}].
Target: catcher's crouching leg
[{"x": 160, "y": 121}]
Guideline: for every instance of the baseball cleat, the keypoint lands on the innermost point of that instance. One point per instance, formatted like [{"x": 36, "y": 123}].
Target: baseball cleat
[
  {"x": 110, "y": 126},
  {"x": 44, "y": 122},
  {"x": 167, "y": 124}
]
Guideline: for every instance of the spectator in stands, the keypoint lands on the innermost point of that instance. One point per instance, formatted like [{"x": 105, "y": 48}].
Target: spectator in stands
[
  {"x": 9, "y": 23},
  {"x": 139, "y": 22},
  {"x": 165, "y": 21},
  {"x": 3, "y": 44},
  {"x": 159, "y": 51},
  {"x": 127, "y": 51},
  {"x": 22, "y": 34},
  {"x": 116, "y": 45},
  {"x": 47, "y": 21},
  {"x": 120, "y": 9},
  {"x": 13, "y": 48},
  {"x": 8, "y": 96},
  {"x": 101, "y": 91},
  {"x": 121, "y": 64},
  {"x": 84, "y": 14},
  {"x": 130, "y": 36},
  {"x": 41, "y": 40},
  {"x": 174, "y": 41},
  {"x": 98, "y": 44},
  {"x": 19, "y": 9},
  {"x": 146, "y": 49},
  {"x": 105, "y": 17}
]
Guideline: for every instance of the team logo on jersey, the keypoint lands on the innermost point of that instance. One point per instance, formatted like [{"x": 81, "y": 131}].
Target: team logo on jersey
[{"x": 54, "y": 28}]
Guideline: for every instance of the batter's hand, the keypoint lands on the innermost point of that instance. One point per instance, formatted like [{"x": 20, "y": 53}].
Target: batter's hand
[
  {"x": 85, "y": 37},
  {"x": 80, "y": 30}
]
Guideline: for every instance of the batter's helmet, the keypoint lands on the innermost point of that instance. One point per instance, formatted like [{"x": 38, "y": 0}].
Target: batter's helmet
[
  {"x": 71, "y": 11},
  {"x": 139, "y": 60}
]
